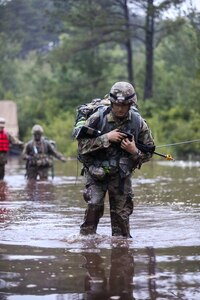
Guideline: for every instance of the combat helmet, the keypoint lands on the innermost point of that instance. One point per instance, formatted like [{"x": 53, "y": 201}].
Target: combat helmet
[
  {"x": 37, "y": 128},
  {"x": 123, "y": 92},
  {"x": 2, "y": 122}
]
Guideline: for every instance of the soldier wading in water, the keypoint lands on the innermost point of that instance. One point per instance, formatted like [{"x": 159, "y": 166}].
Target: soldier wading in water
[
  {"x": 109, "y": 159},
  {"x": 39, "y": 153}
]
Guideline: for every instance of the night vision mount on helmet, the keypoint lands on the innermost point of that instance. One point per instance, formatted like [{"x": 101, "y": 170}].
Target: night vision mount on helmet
[{"x": 123, "y": 93}]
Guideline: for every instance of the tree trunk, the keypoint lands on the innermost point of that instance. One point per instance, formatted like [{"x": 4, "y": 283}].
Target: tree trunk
[
  {"x": 149, "y": 34},
  {"x": 128, "y": 44}
]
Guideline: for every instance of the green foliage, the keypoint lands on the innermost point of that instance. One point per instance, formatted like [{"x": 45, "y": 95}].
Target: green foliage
[
  {"x": 26, "y": 22},
  {"x": 81, "y": 76},
  {"x": 178, "y": 124},
  {"x": 48, "y": 83},
  {"x": 8, "y": 70},
  {"x": 176, "y": 67},
  {"x": 59, "y": 128}
]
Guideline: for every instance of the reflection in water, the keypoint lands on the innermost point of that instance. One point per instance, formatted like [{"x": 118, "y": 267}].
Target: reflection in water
[
  {"x": 152, "y": 273},
  {"x": 121, "y": 273},
  {"x": 95, "y": 278},
  {"x": 3, "y": 190},
  {"x": 3, "y": 196},
  {"x": 93, "y": 274},
  {"x": 115, "y": 280},
  {"x": 39, "y": 190}
]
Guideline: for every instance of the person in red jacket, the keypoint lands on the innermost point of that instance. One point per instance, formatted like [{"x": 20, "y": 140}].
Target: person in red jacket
[{"x": 6, "y": 139}]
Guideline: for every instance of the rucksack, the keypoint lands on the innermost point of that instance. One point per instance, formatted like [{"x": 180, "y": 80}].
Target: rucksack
[{"x": 84, "y": 111}]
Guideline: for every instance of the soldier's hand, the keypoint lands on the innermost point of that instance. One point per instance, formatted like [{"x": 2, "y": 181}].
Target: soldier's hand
[
  {"x": 129, "y": 146},
  {"x": 63, "y": 159},
  {"x": 116, "y": 136},
  {"x": 28, "y": 157}
]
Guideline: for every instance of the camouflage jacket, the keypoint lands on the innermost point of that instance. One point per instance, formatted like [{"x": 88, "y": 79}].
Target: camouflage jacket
[
  {"x": 91, "y": 150},
  {"x": 14, "y": 140},
  {"x": 40, "y": 149}
]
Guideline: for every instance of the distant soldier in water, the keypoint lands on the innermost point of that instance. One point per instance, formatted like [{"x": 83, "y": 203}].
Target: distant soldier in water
[
  {"x": 39, "y": 153},
  {"x": 6, "y": 140}
]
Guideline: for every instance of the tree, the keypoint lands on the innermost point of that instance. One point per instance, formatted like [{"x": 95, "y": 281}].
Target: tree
[
  {"x": 152, "y": 31},
  {"x": 94, "y": 23},
  {"x": 116, "y": 22},
  {"x": 8, "y": 52},
  {"x": 27, "y": 23}
]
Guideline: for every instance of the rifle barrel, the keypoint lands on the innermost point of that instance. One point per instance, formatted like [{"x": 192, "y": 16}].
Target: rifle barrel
[{"x": 167, "y": 156}]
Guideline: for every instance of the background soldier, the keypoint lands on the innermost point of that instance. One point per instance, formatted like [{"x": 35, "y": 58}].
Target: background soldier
[
  {"x": 6, "y": 140},
  {"x": 39, "y": 153},
  {"x": 110, "y": 158}
]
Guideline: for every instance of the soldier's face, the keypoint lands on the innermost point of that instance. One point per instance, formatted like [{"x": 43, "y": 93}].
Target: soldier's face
[
  {"x": 37, "y": 136},
  {"x": 120, "y": 110}
]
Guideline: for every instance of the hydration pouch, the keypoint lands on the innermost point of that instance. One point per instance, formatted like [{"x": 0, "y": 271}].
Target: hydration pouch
[
  {"x": 45, "y": 162},
  {"x": 97, "y": 173},
  {"x": 124, "y": 167}
]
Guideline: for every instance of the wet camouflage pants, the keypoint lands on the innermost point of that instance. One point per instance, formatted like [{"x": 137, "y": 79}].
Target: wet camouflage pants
[
  {"x": 37, "y": 173},
  {"x": 3, "y": 162},
  {"x": 121, "y": 203},
  {"x": 2, "y": 172}
]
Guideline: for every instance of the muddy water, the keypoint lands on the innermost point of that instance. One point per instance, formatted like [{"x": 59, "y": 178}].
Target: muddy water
[{"x": 42, "y": 255}]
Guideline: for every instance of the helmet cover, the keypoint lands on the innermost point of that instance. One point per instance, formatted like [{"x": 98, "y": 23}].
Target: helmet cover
[
  {"x": 37, "y": 128},
  {"x": 123, "y": 93}
]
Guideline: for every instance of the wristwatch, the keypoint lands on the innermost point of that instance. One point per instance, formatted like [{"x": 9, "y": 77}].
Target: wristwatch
[{"x": 138, "y": 154}]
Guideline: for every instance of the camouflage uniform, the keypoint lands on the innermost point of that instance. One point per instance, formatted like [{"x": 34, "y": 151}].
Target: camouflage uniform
[
  {"x": 108, "y": 168},
  {"x": 39, "y": 156}
]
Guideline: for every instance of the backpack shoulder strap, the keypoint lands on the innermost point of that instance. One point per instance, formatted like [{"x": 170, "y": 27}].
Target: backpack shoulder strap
[
  {"x": 45, "y": 144},
  {"x": 135, "y": 122},
  {"x": 99, "y": 121},
  {"x": 103, "y": 111}
]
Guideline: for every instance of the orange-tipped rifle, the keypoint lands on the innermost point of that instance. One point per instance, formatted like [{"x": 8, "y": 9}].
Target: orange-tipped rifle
[
  {"x": 151, "y": 149},
  {"x": 88, "y": 132}
]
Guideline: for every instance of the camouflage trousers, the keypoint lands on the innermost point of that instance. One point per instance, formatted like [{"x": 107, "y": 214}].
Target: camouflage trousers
[
  {"x": 35, "y": 173},
  {"x": 3, "y": 162},
  {"x": 120, "y": 202},
  {"x": 2, "y": 172}
]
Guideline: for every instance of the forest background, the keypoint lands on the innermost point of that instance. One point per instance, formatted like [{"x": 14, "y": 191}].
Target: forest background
[{"x": 58, "y": 54}]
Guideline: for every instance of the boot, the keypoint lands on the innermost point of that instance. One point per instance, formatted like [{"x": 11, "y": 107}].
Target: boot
[
  {"x": 91, "y": 220},
  {"x": 120, "y": 227}
]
